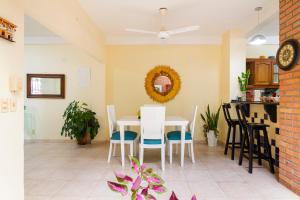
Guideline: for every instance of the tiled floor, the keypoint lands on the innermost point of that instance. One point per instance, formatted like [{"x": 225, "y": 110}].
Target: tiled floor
[{"x": 65, "y": 171}]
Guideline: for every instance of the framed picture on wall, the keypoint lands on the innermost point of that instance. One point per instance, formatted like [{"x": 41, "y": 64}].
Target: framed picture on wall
[{"x": 51, "y": 86}]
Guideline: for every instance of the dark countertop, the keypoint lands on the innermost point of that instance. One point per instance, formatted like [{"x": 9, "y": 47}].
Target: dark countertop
[{"x": 255, "y": 102}]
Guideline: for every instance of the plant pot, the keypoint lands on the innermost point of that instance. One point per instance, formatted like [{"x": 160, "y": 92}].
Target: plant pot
[
  {"x": 211, "y": 139},
  {"x": 86, "y": 139}
]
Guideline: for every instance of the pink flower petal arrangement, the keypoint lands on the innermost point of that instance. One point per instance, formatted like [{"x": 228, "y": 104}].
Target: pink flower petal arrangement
[{"x": 142, "y": 187}]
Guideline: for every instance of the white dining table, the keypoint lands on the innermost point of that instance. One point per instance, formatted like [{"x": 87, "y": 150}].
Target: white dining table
[{"x": 134, "y": 121}]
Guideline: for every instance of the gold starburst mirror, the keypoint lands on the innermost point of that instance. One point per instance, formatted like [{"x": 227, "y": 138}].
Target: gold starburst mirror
[{"x": 162, "y": 83}]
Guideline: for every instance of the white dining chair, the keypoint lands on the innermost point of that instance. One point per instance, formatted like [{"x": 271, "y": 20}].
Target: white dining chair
[
  {"x": 130, "y": 137},
  {"x": 153, "y": 130},
  {"x": 174, "y": 137}
]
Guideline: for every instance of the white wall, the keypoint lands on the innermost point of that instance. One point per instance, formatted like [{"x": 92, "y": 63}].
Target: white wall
[
  {"x": 234, "y": 63},
  {"x": 237, "y": 61},
  {"x": 62, "y": 59},
  {"x": 262, "y": 50},
  {"x": 11, "y": 124}
]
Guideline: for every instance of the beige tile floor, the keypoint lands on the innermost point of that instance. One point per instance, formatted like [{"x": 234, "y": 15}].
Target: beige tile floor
[{"x": 65, "y": 171}]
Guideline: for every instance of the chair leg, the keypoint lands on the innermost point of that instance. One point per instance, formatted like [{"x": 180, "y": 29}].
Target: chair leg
[
  {"x": 131, "y": 148},
  {"x": 170, "y": 152},
  {"x": 251, "y": 145},
  {"x": 109, "y": 152},
  {"x": 233, "y": 142},
  {"x": 115, "y": 147},
  {"x": 141, "y": 155},
  {"x": 163, "y": 157},
  {"x": 242, "y": 148},
  {"x": 227, "y": 140},
  {"x": 258, "y": 146},
  {"x": 189, "y": 149},
  {"x": 167, "y": 148},
  {"x": 134, "y": 147},
  {"x": 241, "y": 134},
  {"x": 176, "y": 149},
  {"x": 268, "y": 147},
  {"x": 192, "y": 152}
]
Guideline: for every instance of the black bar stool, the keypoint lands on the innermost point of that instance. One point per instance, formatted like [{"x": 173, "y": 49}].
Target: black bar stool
[
  {"x": 252, "y": 131},
  {"x": 232, "y": 123}
]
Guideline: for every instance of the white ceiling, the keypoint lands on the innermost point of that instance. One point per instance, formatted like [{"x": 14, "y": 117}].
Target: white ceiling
[{"x": 213, "y": 16}]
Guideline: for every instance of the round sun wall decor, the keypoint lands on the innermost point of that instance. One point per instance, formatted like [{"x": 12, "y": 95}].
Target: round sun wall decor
[{"x": 162, "y": 83}]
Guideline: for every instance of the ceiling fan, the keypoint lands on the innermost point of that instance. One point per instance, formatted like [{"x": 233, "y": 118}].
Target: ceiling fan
[{"x": 163, "y": 33}]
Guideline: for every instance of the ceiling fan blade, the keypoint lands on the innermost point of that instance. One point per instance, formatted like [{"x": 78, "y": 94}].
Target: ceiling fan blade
[
  {"x": 183, "y": 30},
  {"x": 140, "y": 31}
]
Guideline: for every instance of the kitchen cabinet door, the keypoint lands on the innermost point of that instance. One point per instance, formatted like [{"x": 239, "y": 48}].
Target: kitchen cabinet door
[{"x": 263, "y": 72}]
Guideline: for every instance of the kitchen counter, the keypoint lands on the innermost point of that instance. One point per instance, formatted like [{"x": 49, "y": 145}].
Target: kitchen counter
[
  {"x": 255, "y": 102},
  {"x": 264, "y": 112},
  {"x": 269, "y": 107}
]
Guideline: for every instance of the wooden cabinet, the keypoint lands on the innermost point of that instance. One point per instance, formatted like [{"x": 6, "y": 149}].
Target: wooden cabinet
[{"x": 261, "y": 73}]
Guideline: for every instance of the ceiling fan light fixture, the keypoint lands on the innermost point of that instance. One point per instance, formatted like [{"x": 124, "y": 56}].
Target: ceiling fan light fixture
[
  {"x": 163, "y": 35},
  {"x": 258, "y": 40},
  {"x": 163, "y": 11}
]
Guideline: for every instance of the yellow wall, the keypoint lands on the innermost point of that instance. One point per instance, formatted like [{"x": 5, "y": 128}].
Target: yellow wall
[
  {"x": 198, "y": 65},
  {"x": 11, "y": 123}
]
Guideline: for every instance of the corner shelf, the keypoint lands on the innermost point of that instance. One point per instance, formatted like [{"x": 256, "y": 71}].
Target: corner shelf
[{"x": 6, "y": 39}]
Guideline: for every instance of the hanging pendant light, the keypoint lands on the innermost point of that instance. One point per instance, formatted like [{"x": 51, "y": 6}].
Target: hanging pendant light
[{"x": 258, "y": 39}]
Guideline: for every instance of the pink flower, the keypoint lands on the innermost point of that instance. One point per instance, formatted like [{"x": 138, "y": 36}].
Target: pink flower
[
  {"x": 143, "y": 167},
  {"x": 122, "y": 177},
  {"x": 158, "y": 188},
  {"x": 173, "y": 196},
  {"x": 194, "y": 197},
  {"x": 145, "y": 191},
  {"x": 150, "y": 197},
  {"x": 139, "y": 197},
  {"x": 120, "y": 188},
  {"x": 153, "y": 180},
  {"x": 135, "y": 164},
  {"x": 136, "y": 184}
]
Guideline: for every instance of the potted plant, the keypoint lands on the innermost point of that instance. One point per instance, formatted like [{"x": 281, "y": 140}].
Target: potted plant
[
  {"x": 144, "y": 186},
  {"x": 80, "y": 123},
  {"x": 243, "y": 83},
  {"x": 210, "y": 126}
]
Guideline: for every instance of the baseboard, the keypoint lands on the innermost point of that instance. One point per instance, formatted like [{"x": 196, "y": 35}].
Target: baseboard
[{"x": 30, "y": 141}]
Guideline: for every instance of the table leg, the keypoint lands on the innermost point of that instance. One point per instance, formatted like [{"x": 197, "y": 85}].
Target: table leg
[
  {"x": 122, "y": 145},
  {"x": 182, "y": 144}
]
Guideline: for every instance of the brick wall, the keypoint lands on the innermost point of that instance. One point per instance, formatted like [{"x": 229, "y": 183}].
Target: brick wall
[{"x": 289, "y": 139}]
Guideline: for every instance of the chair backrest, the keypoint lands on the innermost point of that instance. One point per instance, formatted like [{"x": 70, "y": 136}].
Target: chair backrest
[
  {"x": 226, "y": 107},
  {"x": 193, "y": 121},
  {"x": 240, "y": 111},
  {"x": 152, "y": 122},
  {"x": 111, "y": 114}
]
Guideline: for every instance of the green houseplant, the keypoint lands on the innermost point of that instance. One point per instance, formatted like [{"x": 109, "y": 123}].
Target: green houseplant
[
  {"x": 80, "y": 123},
  {"x": 210, "y": 126},
  {"x": 243, "y": 83}
]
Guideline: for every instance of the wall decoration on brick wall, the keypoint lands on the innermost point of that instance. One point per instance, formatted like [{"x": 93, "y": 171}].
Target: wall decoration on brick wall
[
  {"x": 7, "y": 30},
  {"x": 287, "y": 54}
]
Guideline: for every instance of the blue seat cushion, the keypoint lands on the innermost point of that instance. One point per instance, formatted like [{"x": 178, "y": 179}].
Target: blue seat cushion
[
  {"x": 129, "y": 135},
  {"x": 152, "y": 141},
  {"x": 176, "y": 135}
]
